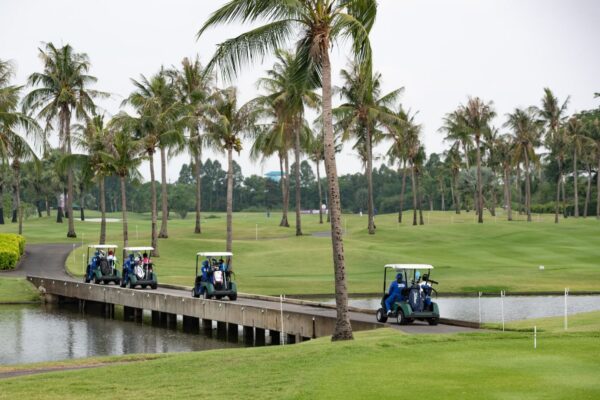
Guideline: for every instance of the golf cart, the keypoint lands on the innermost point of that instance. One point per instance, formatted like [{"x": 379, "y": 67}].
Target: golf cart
[
  {"x": 214, "y": 279},
  {"x": 138, "y": 269},
  {"x": 101, "y": 265},
  {"x": 415, "y": 298}
]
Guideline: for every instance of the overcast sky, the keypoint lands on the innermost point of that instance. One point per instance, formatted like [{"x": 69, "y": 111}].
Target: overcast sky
[{"x": 440, "y": 51}]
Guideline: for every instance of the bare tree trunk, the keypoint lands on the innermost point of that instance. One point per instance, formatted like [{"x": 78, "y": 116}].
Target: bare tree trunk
[
  {"x": 527, "y": 188},
  {"x": 493, "y": 206},
  {"x": 343, "y": 329},
  {"x": 81, "y": 204},
  {"x": 297, "y": 179},
  {"x": 18, "y": 197},
  {"x": 124, "y": 211},
  {"x": 198, "y": 176},
  {"x": 229, "y": 200},
  {"x": 456, "y": 192},
  {"x": 71, "y": 233},
  {"x": 479, "y": 183},
  {"x": 575, "y": 177},
  {"x": 558, "y": 192},
  {"x": 587, "y": 191},
  {"x": 14, "y": 218},
  {"x": 1, "y": 203},
  {"x": 564, "y": 197},
  {"x": 154, "y": 212},
  {"x": 414, "y": 193},
  {"x": 519, "y": 189},
  {"x": 369, "y": 173},
  {"x": 443, "y": 196},
  {"x": 102, "y": 210},
  {"x": 419, "y": 198},
  {"x": 320, "y": 193},
  {"x": 163, "y": 196},
  {"x": 285, "y": 191},
  {"x": 402, "y": 189},
  {"x": 47, "y": 206},
  {"x": 507, "y": 194}
]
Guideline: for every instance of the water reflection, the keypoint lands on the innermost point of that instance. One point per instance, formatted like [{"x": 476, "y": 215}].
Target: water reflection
[{"x": 44, "y": 333}]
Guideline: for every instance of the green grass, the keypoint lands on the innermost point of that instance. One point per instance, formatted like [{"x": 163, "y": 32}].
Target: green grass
[
  {"x": 382, "y": 364},
  {"x": 16, "y": 290},
  {"x": 468, "y": 257},
  {"x": 582, "y": 322}
]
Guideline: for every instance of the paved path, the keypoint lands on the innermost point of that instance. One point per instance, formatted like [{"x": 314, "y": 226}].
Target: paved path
[{"x": 48, "y": 260}]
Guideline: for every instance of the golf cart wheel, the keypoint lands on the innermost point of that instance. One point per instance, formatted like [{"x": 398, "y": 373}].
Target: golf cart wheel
[
  {"x": 381, "y": 316},
  {"x": 123, "y": 284},
  {"x": 233, "y": 297},
  {"x": 401, "y": 318},
  {"x": 87, "y": 280},
  {"x": 194, "y": 294},
  {"x": 205, "y": 295},
  {"x": 432, "y": 321},
  {"x": 154, "y": 286},
  {"x": 96, "y": 281},
  {"x": 131, "y": 285}
]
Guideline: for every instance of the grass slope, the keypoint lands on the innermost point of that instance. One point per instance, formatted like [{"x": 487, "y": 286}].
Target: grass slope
[
  {"x": 16, "y": 290},
  {"x": 380, "y": 364},
  {"x": 468, "y": 256}
]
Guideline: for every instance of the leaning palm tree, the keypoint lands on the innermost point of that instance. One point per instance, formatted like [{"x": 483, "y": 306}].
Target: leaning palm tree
[
  {"x": 364, "y": 108},
  {"x": 60, "y": 91},
  {"x": 554, "y": 114},
  {"x": 575, "y": 131},
  {"x": 476, "y": 116},
  {"x": 527, "y": 131},
  {"x": 194, "y": 86},
  {"x": 122, "y": 156},
  {"x": 315, "y": 25},
  {"x": 225, "y": 124}
]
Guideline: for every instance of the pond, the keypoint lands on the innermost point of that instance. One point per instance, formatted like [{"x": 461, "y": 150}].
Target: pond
[
  {"x": 515, "y": 307},
  {"x": 48, "y": 333}
]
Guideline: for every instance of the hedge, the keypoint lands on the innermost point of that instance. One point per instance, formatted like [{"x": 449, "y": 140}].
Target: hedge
[{"x": 11, "y": 248}]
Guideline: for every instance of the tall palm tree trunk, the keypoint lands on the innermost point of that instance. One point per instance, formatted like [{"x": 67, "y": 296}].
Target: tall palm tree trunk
[
  {"x": 155, "y": 253},
  {"x": 443, "y": 196},
  {"x": 1, "y": 203},
  {"x": 493, "y": 189},
  {"x": 575, "y": 176},
  {"x": 369, "y": 173},
  {"x": 558, "y": 192},
  {"x": 597, "y": 190},
  {"x": 419, "y": 198},
  {"x": 101, "y": 189},
  {"x": 71, "y": 233},
  {"x": 297, "y": 178},
  {"x": 479, "y": 183},
  {"x": 229, "y": 200},
  {"x": 402, "y": 189},
  {"x": 124, "y": 211},
  {"x": 286, "y": 187},
  {"x": 81, "y": 204},
  {"x": 284, "y": 209},
  {"x": 18, "y": 195},
  {"x": 564, "y": 196},
  {"x": 163, "y": 195},
  {"x": 527, "y": 188},
  {"x": 587, "y": 191},
  {"x": 519, "y": 189},
  {"x": 414, "y": 193},
  {"x": 343, "y": 329},
  {"x": 456, "y": 194},
  {"x": 507, "y": 194},
  {"x": 198, "y": 176},
  {"x": 320, "y": 193}
]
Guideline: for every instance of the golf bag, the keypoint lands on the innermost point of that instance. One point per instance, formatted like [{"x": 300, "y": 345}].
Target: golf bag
[
  {"x": 105, "y": 267},
  {"x": 415, "y": 299}
]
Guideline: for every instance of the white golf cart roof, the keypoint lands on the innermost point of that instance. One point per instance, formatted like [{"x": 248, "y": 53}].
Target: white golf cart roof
[
  {"x": 102, "y": 246},
  {"x": 147, "y": 248},
  {"x": 215, "y": 254},
  {"x": 408, "y": 266}
]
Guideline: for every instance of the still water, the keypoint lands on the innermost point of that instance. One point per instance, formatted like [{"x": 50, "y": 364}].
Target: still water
[
  {"x": 47, "y": 333},
  {"x": 515, "y": 307}
]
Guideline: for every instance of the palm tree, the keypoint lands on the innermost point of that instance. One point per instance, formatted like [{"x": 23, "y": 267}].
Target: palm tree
[
  {"x": 159, "y": 124},
  {"x": 476, "y": 116},
  {"x": 504, "y": 150},
  {"x": 60, "y": 91},
  {"x": 315, "y": 151},
  {"x": 591, "y": 121},
  {"x": 225, "y": 124},
  {"x": 19, "y": 151},
  {"x": 194, "y": 86},
  {"x": 554, "y": 115},
  {"x": 527, "y": 130},
  {"x": 315, "y": 25},
  {"x": 453, "y": 162},
  {"x": 457, "y": 133},
  {"x": 123, "y": 155},
  {"x": 576, "y": 136},
  {"x": 364, "y": 108}
]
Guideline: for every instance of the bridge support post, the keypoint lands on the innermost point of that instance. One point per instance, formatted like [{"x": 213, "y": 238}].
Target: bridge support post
[
  {"x": 259, "y": 336},
  {"x": 207, "y": 327},
  {"x": 128, "y": 313},
  {"x": 138, "y": 315},
  {"x": 248, "y": 335},
  {"x": 163, "y": 319},
  {"x": 221, "y": 330},
  {"x": 171, "y": 321},
  {"x": 155, "y": 318},
  {"x": 191, "y": 324},
  {"x": 275, "y": 337},
  {"x": 232, "y": 332}
]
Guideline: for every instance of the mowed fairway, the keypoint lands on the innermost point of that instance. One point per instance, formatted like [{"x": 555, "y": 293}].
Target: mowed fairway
[
  {"x": 381, "y": 364},
  {"x": 468, "y": 257}
]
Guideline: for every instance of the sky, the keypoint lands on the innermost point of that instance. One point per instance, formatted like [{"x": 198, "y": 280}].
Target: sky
[{"x": 440, "y": 51}]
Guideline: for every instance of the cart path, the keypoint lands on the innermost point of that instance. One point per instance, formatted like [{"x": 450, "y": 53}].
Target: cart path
[{"x": 48, "y": 260}]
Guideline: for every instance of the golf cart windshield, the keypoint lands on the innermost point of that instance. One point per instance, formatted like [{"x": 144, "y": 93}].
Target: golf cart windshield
[{"x": 408, "y": 272}]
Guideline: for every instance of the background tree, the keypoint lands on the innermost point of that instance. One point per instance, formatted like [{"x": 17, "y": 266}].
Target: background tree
[{"x": 577, "y": 141}]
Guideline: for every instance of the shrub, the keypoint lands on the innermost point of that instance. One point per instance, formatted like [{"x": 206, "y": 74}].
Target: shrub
[{"x": 11, "y": 248}]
